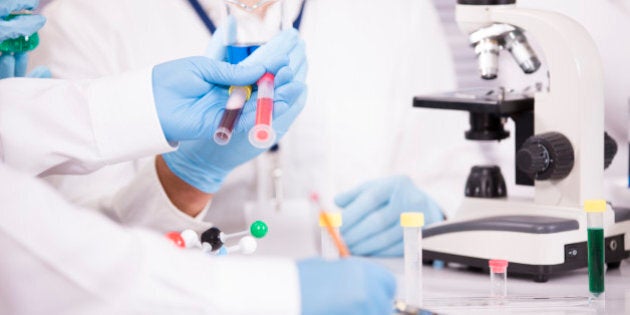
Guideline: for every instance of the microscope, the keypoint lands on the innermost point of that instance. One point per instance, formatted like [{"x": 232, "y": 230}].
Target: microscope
[{"x": 560, "y": 144}]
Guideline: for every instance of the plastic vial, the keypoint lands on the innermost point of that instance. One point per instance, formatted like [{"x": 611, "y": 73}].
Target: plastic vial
[
  {"x": 498, "y": 278},
  {"x": 262, "y": 135},
  {"x": 238, "y": 96},
  {"x": 20, "y": 44},
  {"x": 412, "y": 223},
  {"x": 329, "y": 248},
  {"x": 595, "y": 229}
]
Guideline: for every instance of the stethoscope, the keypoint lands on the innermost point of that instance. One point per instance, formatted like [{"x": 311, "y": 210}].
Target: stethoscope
[{"x": 276, "y": 170}]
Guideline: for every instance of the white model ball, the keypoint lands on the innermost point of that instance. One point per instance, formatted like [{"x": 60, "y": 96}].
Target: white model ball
[
  {"x": 191, "y": 239},
  {"x": 248, "y": 245}
]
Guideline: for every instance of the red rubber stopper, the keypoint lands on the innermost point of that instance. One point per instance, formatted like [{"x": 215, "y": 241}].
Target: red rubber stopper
[{"x": 498, "y": 265}]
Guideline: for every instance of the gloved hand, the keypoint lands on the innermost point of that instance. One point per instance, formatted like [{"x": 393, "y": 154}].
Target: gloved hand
[
  {"x": 371, "y": 214},
  {"x": 345, "y": 287},
  {"x": 14, "y": 65},
  {"x": 204, "y": 164}
]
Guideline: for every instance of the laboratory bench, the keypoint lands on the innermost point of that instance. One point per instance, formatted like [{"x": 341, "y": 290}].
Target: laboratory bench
[{"x": 562, "y": 294}]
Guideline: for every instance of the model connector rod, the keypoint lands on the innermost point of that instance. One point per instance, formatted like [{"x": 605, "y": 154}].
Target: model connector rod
[
  {"x": 596, "y": 261},
  {"x": 412, "y": 223}
]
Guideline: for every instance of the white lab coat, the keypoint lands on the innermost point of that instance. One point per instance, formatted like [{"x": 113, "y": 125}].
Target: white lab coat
[
  {"x": 367, "y": 59},
  {"x": 60, "y": 259}
]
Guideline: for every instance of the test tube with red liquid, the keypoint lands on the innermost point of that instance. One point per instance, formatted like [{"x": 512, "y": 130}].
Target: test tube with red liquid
[
  {"x": 238, "y": 96},
  {"x": 262, "y": 134}
]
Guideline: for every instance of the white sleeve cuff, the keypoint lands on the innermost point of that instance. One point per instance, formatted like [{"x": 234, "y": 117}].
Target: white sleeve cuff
[
  {"x": 124, "y": 116},
  {"x": 145, "y": 203}
]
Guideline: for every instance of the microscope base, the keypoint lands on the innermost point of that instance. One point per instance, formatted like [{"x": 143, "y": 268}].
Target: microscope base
[{"x": 543, "y": 243}]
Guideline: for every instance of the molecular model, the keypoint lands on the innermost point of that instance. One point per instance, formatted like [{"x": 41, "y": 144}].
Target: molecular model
[{"x": 212, "y": 240}]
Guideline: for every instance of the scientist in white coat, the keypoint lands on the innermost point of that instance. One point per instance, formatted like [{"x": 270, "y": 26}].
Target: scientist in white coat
[
  {"x": 358, "y": 127},
  {"x": 63, "y": 259}
]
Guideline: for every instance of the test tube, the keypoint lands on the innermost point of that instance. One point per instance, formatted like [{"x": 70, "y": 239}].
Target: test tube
[
  {"x": 498, "y": 278},
  {"x": 20, "y": 44},
  {"x": 328, "y": 220},
  {"x": 238, "y": 96},
  {"x": 595, "y": 229},
  {"x": 412, "y": 223},
  {"x": 262, "y": 135}
]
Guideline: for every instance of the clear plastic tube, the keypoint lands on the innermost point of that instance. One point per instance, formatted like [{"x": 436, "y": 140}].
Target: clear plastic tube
[
  {"x": 238, "y": 96},
  {"x": 412, "y": 223},
  {"x": 596, "y": 260},
  {"x": 262, "y": 135},
  {"x": 498, "y": 278},
  {"x": 330, "y": 250}
]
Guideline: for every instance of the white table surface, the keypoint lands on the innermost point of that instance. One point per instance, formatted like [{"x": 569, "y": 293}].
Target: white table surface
[{"x": 453, "y": 281}]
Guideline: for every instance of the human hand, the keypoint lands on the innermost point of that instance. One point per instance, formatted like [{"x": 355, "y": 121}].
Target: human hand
[
  {"x": 371, "y": 214},
  {"x": 204, "y": 164},
  {"x": 345, "y": 287},
  {"x": 13, "y": 64}
]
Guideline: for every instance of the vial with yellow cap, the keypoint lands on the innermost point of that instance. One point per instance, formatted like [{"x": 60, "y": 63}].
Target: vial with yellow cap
[
  {"x": 412, "y": 223},
  {"x": 329, "y": 220},
  {"x": 595, "y": 228},
  {"x": 238, "y": 96}
]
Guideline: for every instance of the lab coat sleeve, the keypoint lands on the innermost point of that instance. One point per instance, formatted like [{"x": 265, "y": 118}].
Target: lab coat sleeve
[
  {"x": 143, "y": 202},
  {"x": 64, "y": 260},
  {"x": 52, "y": 126}
]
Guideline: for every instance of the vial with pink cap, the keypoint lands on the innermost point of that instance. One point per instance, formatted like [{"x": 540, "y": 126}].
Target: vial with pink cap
[{"x": 498, "y": 278}]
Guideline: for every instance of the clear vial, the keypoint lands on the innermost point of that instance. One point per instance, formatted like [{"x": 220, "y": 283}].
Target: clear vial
[
  {"x": 412, "y": 223},
  {"x": 498, "y": 278},
  {"x": 329, "y": 248}
]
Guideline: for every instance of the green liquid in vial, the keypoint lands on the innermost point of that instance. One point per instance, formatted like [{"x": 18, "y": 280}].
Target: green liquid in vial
[
  {"x": 596, "y": 261},
  {"x": 20, "y": 44}
]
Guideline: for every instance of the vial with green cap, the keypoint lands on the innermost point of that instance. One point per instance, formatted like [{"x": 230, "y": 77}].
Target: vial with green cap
[
  {"x": 20, "y": 44},
  {"x": 596, "y": 261},
  {"x": 412, "y": 223}
]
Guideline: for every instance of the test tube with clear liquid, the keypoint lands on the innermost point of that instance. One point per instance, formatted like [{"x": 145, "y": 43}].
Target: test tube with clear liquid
[
  {"x": 595, "y": 232},
  {"x": 256, "y": 23},
  {"x": 412, "y": 223}
]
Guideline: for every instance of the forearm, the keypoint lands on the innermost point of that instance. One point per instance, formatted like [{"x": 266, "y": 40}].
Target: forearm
[
  {"x": 184, "y": 196},
  {"x": 70, "y": 127}
]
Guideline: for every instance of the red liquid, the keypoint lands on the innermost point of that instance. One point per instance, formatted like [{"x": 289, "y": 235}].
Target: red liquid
[
  {"x": 264, "y": 110},
  {"x": 230, "y": 116}
]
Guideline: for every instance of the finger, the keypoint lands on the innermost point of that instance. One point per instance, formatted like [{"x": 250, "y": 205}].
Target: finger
[
  {"x": 7, "y": 66},
  {"x": 8, "y": 6},
  {"x": 297, "y": 60},
  {"x": 396, "y": 250},
  {"x": 23, "y": 25},
  {"x": 217, "y": 48},
  {"x": 40, "y": 72},
  {"x": 273, "y": 54},
  {"x": 342, "y": 200},
  {"x": 21, "y": 61},
  {"x": 223, "y": 73},
  {"x": 374, "y": 222},
  {"x": 283, "y": 76},
  {"x": 289, "y": 94},
  {"x": 368, "y": 201},
  {"x": 378, "y": 240}
]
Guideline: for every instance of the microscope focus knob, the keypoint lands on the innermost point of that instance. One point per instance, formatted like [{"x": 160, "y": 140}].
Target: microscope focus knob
[
  {"x": 546, "y": 156},
  {"x": 610, "y": 149}
]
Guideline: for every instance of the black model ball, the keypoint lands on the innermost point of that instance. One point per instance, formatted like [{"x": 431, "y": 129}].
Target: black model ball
[{"x": 212, "y": 236}]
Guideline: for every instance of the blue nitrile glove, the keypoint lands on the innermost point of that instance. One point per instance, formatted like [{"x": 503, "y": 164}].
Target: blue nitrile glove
[
  {"x": 14, "y": 65},
  {"x": 371, "y": 214},
  {"x": 345, "y": 287},
  {"x": 203, "y": 163}
]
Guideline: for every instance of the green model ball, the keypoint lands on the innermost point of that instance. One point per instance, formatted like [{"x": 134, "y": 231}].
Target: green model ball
[{"x": 259, "y": 229}]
